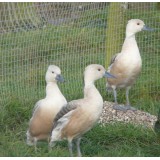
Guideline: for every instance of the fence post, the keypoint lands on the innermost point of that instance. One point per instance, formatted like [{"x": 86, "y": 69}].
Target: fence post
[{"x": 115, "y": 29}]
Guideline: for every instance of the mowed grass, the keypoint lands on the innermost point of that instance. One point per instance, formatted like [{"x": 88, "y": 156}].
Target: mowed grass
[
  {"x": 113, "y": 140},
  {"x": 25, "y": 57}
]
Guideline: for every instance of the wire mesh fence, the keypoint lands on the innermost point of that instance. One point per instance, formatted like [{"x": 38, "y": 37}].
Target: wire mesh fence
[{"x": 70, "y": 35}]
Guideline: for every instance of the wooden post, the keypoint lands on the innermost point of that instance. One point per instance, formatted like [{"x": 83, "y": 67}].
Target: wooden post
[{"x": 115, "y": 29}]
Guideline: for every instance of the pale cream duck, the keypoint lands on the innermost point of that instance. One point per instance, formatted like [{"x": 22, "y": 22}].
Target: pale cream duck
[
  {"x": 80, "y": 115},
  {"x": 127, "y": 64},
  {"x": 45, "y": 110}
]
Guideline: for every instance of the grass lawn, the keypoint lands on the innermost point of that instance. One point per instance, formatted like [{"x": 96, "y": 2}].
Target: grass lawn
[{"x": 113, "y": 140}]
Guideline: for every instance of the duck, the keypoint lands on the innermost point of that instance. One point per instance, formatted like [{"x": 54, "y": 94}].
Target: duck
[
  {"x": 79, "y": 116},
  {"x": 45, "y": 110},
  {"x": 127, "y": 64}
]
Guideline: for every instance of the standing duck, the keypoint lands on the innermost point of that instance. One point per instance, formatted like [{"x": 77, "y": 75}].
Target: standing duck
[
  {"x": 127, "y": 64},
  {"x": 45, "y": 110},
  {"x": 79, "y": 116}
]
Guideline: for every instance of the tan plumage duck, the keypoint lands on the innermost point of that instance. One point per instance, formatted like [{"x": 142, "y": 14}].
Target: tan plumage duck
[
  {"x": 80, "y": 115},
  {"x": 45, "y": 110},
  {"x": 126, "y": 65}
]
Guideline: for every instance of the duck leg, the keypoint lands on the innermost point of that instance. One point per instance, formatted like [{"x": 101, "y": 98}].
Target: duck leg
[
  {"x": 117, "y": 106},
  {"x": 35, "y": 144},
  {"x": 78, "y": 147},
  {"x": 70, "y": 147},
  {"x": 128, "y": 106}
]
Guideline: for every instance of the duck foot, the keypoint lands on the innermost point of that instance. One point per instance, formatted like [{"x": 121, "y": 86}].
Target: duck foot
[
  {"x": 128, "y": 107},
  {"x": 124, "y": 108}
]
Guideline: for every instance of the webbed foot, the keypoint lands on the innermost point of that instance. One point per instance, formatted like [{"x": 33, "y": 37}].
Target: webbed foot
[
  {"x": 124, "y": 108},
  {"x": 128, "y": 107},
  {"x": 119, "y": 107}
]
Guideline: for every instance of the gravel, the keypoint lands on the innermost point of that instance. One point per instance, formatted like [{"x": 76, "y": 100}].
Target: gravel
[{"x": 138, "y": 117}]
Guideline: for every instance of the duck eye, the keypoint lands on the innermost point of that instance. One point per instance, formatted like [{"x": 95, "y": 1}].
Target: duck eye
[
  {"x": 99, "y": 69},
  {"x": 52, "y": 72},
  {"x": 138, "y": 23}
]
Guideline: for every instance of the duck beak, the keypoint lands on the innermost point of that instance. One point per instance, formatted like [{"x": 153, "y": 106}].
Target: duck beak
[
  {"x": 146, "y": 28},
  {"x": 108, "y": 75},
  {"x": 59, "y": 78}
]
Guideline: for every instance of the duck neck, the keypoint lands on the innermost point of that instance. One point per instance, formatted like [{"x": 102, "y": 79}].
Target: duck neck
[
  {"x": 130, "y": 35},
  {"x": 130, "y": 44},
  {"x": 91, "y": 92},
  {"x": 52, "y": 89},
  {"x": 88, "y": 83}
]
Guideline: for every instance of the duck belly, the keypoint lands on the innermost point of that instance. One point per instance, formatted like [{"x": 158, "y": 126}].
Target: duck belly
[{"x": 126, "y": 71}]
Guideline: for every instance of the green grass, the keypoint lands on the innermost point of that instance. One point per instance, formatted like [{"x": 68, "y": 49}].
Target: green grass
[
  {"x": 113, "y": 140},
  {"x": 24, "y": 58}
]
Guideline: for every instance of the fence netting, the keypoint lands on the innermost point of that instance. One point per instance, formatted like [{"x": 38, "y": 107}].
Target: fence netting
[{"x": 72, "y": 36}]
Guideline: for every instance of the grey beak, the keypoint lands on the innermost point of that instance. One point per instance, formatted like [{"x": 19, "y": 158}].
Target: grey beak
[
  {"x": 108, "y": 75},
  {"x": 59, "y": 78},
  {"x": 146, "y": 28}
]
